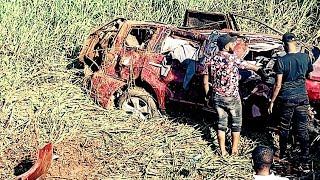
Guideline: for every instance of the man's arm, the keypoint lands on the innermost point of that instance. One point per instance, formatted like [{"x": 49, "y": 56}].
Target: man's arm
[
  {"x": 279, "y": 70},
  {"x": 250, "y": 66},
  {"x": 276, "y": 87},
  {"x": 310, "y": 67},
  {"x": 276, "y": 90},
  {"x": 205, "y": 73},
  {"x": 257, "y": 69},
  {"x": 206, "y": 84},
  {"x": 242, "y": 64}
]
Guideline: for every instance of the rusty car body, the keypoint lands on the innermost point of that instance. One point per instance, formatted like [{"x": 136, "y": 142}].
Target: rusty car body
[{"x": 128, "y": 66}]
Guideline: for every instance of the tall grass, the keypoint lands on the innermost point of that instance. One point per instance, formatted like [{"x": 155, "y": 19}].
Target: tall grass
[{"x": 40, "y": 100}]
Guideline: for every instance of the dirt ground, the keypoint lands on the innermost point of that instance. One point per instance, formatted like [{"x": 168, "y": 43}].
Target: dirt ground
[
  {"x": 102, "y": 157},
  {"x": 77, "y": 156}
]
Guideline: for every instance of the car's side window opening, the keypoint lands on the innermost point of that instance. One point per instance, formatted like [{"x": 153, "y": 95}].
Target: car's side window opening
[
  {"x": 106, "y": 40},
  {"x": 108, "y": 34},
  {"x": 180, "y": 49},
  {"x": 139, "y": 37}
]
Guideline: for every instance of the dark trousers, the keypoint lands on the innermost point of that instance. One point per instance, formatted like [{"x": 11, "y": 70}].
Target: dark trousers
[{"x": 294, "y": 110}]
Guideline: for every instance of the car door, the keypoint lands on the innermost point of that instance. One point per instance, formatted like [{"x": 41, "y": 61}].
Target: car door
[
  {"x": 136, "y": 48},
  {"x": 182, "y": 55}
]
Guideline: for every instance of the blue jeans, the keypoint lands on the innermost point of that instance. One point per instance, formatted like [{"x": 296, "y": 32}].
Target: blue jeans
[
  {"x": 191, "y": 70},
  {"x": 294, "y": 110},
  {"x": 228, "y": 107}
]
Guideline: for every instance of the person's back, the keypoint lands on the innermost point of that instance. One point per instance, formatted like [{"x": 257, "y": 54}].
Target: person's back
[
  {"x": 290, "y": 92},
  {"x": 225, "y": 74},
  {"x": 294, "y": 67}
]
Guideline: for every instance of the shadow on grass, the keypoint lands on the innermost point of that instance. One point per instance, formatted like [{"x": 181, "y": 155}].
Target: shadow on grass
[
  {"x": 204, "y": 122},
  {"x": 72, "y": 56},
  {"x": 74, "y": 65},
  {"x": 23, "y": 166},
  {"x": 254, "y": 131}
]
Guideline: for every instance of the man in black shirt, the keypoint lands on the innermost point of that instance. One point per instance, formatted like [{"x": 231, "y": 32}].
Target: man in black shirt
[{"x": 290, "y": 91}]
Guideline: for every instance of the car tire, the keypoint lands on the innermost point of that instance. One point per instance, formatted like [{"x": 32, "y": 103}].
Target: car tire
[{"x": 140, "y": 102}]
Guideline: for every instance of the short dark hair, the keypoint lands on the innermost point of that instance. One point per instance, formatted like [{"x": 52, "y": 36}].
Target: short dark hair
[
  {"x": 262, "y": 157},
  {"x": 288, "y": 37},
  {"x": 223, "y": 40}
]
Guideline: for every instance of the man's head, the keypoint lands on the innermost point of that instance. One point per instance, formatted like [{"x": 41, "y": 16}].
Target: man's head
[
  {"x": 262, "y": 157},
  {"x": 290, "y": 42},
  {"x": 226, "y": 43}
]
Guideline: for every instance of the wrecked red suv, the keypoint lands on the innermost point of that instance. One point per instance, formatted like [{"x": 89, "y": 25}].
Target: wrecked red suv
[{"x": 143, "y": 67}]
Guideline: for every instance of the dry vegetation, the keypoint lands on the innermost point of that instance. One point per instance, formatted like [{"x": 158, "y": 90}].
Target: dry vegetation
[{"x": 42, "y": 101}]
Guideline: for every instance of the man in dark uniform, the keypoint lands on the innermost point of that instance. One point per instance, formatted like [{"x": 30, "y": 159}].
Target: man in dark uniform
[{"x": 290, "y": 91}]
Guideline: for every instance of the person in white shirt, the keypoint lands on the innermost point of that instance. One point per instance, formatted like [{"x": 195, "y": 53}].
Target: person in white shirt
[{"x": 262, "y": 157}]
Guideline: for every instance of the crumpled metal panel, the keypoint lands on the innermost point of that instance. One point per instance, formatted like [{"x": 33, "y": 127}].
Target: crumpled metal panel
[
  {"x": 241, "y": 49},
  {"x": 315, "y": 74},
  {"x": 88, "y": 45},
  {"x": 104, "y": 87},
  {"x": 151, "y": 75}
]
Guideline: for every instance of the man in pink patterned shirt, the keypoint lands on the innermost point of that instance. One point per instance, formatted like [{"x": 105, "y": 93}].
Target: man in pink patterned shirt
[{"x": 224, "y": 77}]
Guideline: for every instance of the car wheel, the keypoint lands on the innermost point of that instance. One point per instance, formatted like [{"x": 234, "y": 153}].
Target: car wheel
[{"x": 139, "y": 102}]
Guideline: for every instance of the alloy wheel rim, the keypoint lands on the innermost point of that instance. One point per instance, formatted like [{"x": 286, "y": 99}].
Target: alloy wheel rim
[{"x": 136, "y": 105}]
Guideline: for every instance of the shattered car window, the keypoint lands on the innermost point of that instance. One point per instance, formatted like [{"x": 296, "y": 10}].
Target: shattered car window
[
  {"x": 139, "y": 37},
  {"x": 94, "y": 52},
  {"x": 108, "y": 34},
  {"x": 179, "y": 49}
]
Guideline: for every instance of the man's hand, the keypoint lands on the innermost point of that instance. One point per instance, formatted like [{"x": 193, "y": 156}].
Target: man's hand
[
  {"x": 207, "y": 101},
  {"x": 276, "y": 90},
  {"x": 270, "y": 107}
]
